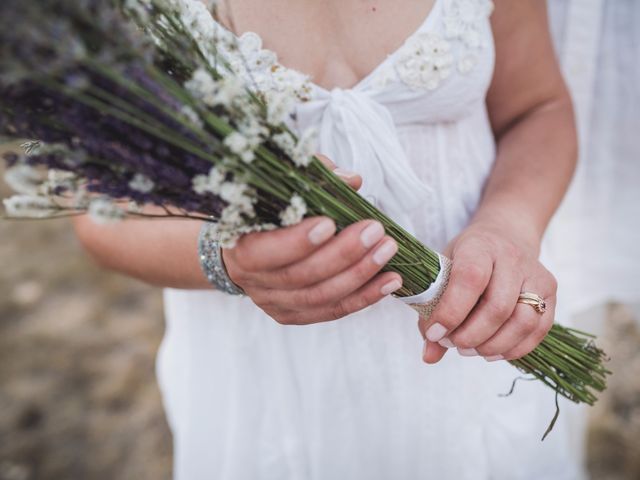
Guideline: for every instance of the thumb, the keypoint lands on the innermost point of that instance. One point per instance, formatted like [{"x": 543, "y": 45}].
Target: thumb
[
  {"x": 350, "y": 178},
  {"x": 432, "y": 352}
]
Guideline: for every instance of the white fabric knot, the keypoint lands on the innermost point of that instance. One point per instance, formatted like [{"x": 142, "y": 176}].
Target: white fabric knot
[{"x": 359, "y": 134}]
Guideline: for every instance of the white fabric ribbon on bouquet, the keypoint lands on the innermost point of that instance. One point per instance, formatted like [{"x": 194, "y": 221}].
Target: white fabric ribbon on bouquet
[
  {"x": 425, "y": 303},
  {"x": 359, "y": 135}
]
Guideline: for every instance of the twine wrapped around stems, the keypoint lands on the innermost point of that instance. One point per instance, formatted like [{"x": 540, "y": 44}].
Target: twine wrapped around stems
[{"x": 426, "y": 302}]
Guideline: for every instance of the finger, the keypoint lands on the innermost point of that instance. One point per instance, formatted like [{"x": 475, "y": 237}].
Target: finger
[
  {"x": 375, "y": 290},
  {"x": 470, "y": 274},
  {"x": 532, "y": 341},
  {"x": 275, "y": 249},
  {"x": 433, "y": 352},
  {"x": 518, "y": 332},
  {"x": 495, "y": 307},
  {"x": 335, "y": 256},
  {"x": 326, "y": 161},
  {"x": 345, "y": 283},
  {"x": 350, "y": 178}
]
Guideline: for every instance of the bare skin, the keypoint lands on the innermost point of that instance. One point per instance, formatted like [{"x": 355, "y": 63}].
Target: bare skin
[{"x": 299, "y": 277}]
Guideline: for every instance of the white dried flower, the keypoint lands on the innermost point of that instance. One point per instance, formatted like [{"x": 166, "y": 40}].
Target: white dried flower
[
  {"x": 305, "y": 148},
  {"x": 232, "y": 225},
  {"x": 238, "y": 195},
  {"x": 263, "y": 227},
  {"x": 236, "y": 142},
  {"x": 295, "y": 212},
  {"x": 30, "y": 206},
  {"x": 24, "y": 179},
  {"x": 104, "y": 212},
  {"x": 280, "y": 104},
  {"x": 230, "y": 89},
  {"x": 302, "y": 151},
  {"x": 141, "y": 183},
  {"x": 285, "y": 141},
  {"x": 195, "y": 17},
  {"x": 213, "y": 93},
  {"x": 229, "y": 227},
  {"x": 252, "y": 129},
  {"x": 242, "y": 145},
  {"x": 59, "y": 179},
  {"x": 211, "y": 183},
  {"x": 202, "y": 86},
  {"x": 228, "y": 239}
]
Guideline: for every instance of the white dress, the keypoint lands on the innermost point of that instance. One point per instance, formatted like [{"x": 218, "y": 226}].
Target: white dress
[{"x": 248, "y": 398}]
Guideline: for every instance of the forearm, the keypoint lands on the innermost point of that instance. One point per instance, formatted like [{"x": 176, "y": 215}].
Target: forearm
[
  {"x": 161, "y": 252},
  {"x": 536, "y": 158},
  {"x": 532, "y": 118}
]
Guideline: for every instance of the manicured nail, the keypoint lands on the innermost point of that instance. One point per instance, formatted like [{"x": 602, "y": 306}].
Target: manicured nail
[
  {"x": 322, "y": 232},
  {"x": 468, "y": 352},
  {"x": 385, "y": 252},
  {"x": 372, "y": 234},
  {"x": 345, "y": 174},
  {"x": 436, "y": 332},
  {"x": 446, "y": 343},
  {"x": 494, "y": 358},
  {"x": 391, "y": 287},
  {"x": 424, "y": 350}
]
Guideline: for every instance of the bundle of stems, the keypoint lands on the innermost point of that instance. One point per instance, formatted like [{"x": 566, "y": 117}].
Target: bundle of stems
[{"x": 111, "y": 98}]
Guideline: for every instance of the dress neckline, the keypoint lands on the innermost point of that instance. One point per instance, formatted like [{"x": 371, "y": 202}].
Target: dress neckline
[{"x": 428, "y": 20}]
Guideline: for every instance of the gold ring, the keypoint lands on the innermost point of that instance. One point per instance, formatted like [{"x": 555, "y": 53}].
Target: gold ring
[{"x": 536, "y": 301}]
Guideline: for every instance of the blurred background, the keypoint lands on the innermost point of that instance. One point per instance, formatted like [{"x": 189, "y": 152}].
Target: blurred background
[
  {"x": 78, "y": 393},
  {"x": 78, "y": 396}
]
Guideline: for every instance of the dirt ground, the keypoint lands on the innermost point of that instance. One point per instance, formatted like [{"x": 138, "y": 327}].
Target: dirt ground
[{"x": 78, "y": 396}]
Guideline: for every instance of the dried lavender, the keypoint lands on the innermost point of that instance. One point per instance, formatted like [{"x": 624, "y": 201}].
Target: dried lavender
[{"x": 149, "y": 108}]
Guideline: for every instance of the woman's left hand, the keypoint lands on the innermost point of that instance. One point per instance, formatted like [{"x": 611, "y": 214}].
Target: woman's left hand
[{"x": 478, "y": 313}]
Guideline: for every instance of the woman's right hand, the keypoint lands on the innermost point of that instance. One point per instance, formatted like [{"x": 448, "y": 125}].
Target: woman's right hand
[{"x": 307, "y": 274}]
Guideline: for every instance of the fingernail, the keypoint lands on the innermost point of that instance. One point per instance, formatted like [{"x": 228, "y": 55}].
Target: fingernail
[
  {"x": 494, "y": 358},
  {"x": 345, "y": 174},
  {"x": 391, "y": 287},
  {"x": 372, "y": 234},
  {"x": 424, "y": 350},
  {"x": 446, "y": 343},
  {"x": 322, "y": 232},
  {"x": 385, "y": 252},
  {"x": 436, "y": 332},
  {"x": 468, "y": 352}
]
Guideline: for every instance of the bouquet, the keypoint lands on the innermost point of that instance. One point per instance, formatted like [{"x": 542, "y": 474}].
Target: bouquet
[{"x": 129, "y": 103}]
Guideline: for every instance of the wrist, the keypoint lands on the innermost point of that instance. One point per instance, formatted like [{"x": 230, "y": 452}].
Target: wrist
[
  {"x": 212, "y": 261},
  {"x": 511, "y": 221}
]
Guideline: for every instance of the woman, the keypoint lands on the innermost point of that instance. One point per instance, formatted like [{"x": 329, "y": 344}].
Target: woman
[{"x": 316, "y": 373}]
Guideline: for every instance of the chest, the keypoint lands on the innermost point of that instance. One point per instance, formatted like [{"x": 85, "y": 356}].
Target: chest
[
  {"x": 440, "y": 72},
  {"x": 336, "y": 42}
]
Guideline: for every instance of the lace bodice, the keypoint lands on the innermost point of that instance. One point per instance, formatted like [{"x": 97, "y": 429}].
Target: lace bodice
[{"x": 449, "y": 44}]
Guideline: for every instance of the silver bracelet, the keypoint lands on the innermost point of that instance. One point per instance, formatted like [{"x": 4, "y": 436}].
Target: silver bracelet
[{"x": 212, "y": 263}]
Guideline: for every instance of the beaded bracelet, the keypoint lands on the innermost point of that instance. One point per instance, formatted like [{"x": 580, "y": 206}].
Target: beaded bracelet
[{"x": 212, "y": 263}]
